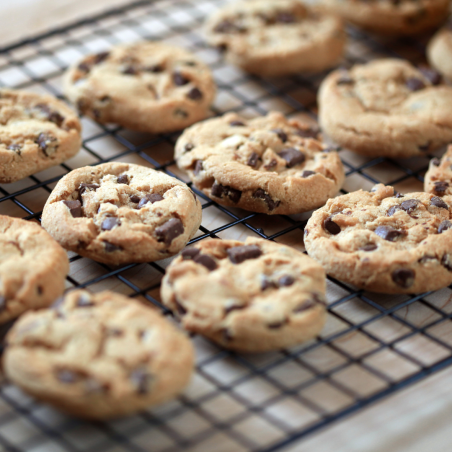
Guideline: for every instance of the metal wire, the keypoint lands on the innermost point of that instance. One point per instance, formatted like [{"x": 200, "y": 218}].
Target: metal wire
[{"x": 244, "y": 402}]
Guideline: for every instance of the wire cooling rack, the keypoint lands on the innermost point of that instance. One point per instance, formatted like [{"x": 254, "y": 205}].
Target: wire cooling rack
[{"x": 373, "y": 345}]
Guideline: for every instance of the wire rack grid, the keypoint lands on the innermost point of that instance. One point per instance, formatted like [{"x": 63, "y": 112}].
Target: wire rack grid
[{"x": 373, "y": 345}]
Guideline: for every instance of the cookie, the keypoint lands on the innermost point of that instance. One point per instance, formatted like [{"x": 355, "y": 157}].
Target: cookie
[
  {"x": 33, "y": 268},
  {"x": 268, "y": 164},
  {"x": 383, "y": 241},
  {"x": 391, "y": 17},
  {"x": 276, "y": 37},
  {"x": 251, "y": 296},
  {"x": 439, "y": 51},
  {"x": 120, "y": 213},
  {"x": 36, "y": 132},
  {"x": 98, "y": 356},
  {"x": 438, "y": 178},
  {"x": 386, "y": 108},
  {"x": 146, "y": 86}
]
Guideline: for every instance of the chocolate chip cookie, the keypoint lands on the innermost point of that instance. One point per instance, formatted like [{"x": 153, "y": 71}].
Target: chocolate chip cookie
[
  {"x": 439, "y": 51},
  {"x": 386, "y": 108},
  {"x": 120, "y": 213},
  {"x": 391, "y": 17},
  {"x": 277, "y": 37},
  {"x": 268, "y": 164},
  {"x": 384, "y": 241},
  {"x": 146, "y": 86},
  {"x": 36, "y": 132},
  {"x": 438, "y": 178},
  {"x": 33, "y": 268},
  {"x": 251, "y": 296},
  {"x": 98, "y": 356}
]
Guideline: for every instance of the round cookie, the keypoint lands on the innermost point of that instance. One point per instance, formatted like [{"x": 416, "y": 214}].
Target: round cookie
[
  {"x": 439, "y": 51},
  {"x": 98, "y": 356},
  {"x": 438, "y": 178},
  {"x": 391, "y": 17},
  {"x": 386, "y": 108},
  {"x": 33, "y": 268},
  {"x": 146, "y": 86},
  {"x": 384, "y": 242},
  {"x": 268, "y": 164},
  {"x": 277, "y": 37},
  {"x": 251, "y": 296},
  {"x": 36, "y": 132},
  {"x": 120, "y": 213}
]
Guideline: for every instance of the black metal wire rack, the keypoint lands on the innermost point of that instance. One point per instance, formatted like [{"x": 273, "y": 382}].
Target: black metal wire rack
[{"x": 372, "y": 346}]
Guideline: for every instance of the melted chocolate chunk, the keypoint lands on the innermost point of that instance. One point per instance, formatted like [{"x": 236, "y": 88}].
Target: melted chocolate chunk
[
  {"x": 436, "y": 161},
  {"x": 267, "y": 283},
  {"x": 190, "y": 253},
  {"x": 169, "y": 231},
  {"x": 219, "y": 191},
  {"x": 152, "y": 198},
  {"x": 136, "y": 199},
  {"x": 292, "y": 157},
  {"x": 438, "y": 202},
  {"x": 179, "y": 79},
  {"x": 431, "y": 75},
  {"x": 307, "y": 304},
  {"x": 398, "y": 195},
  {"x": 307, "y": 173},
  {"x": 100, "y": 57},
  {"x": 232, "y": 306},
  {"x": 441, "y": 187},
  {"x": 109, "y": 223},
  {"x": 414, "y": 84},
  {"x": 195, "y": 94},
  {"x": 271, "y": 204},
  {"x": 156, "y": 68},
  {"x": 345, "y": 79},
  {"x": 50, "y": 115},
  {"x": 15, "y": 148},
  {"x": 286, "y": 281},
  {"x": 387, "y": 233},
  {"x": 392, "y": 210},
  {"x": 271, "y": 164},
  {"x": 141, "y": 380},
  {"x": 403, "y": 277},
  {"x": 253, "y": 159},
  {"x": 123, "y": 179},
  {"x": 444, "y": 226},
  {"x": 237, "y": 124},
  {"x": 330, "y": 226},
  {"x": 206, "y": 261},
  {"x": 83, "y": 187},
  {"x": 281, "y": 134},
  {"x": 312, "y": 132},
  {"x": 239, "y": 254},
  {"x": 369, "y": 247},
  {"x": 188, "y": 147},
  {"x": 130, "y": 70},
  {"x": 110, "y": 247},
  {"x": 277, "y": 325},
  {"x": 198, "y": 167},
  {"x": 410, "y": 205},
  {"x": 75, "y": 207},
  {"x": 47, "y": 143}
]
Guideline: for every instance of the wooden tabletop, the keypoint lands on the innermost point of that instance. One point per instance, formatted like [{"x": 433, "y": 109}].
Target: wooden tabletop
[{"x": 414, "y": 420}]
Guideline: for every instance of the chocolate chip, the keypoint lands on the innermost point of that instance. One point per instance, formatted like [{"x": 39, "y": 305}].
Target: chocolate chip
[
  {"x": 281, "y": 134},
  {"x": 271, "y": 164},
  {"x": 123, "y": 179},
  {"x": 410, "y": 205},
  {"x": 414, "y": 84},
  {"x": 441, "y": 187},
  {"x": 49, "y": 114},
  {"x": 179, "y": 79},
  {"x": 141, "y": 380},
  {"x": 83, "y": 187},
  {"x": 15, "y": 148},
  {"x": 195, "y": 94},
  {"x": 188, "y": 147},
  {"x": 152, "y": 198},
  {"x": 110, "y": 247},
  {"x": 292, "y": 156},
  {"x": 286, "y": 281},
  {"x": 403, "y": 277},
  {"x": 109, "y": 223},
  {"x": 444, "y": 226},
  {"x": 330, "y": 226},
  {"x": 239, "y": 254},
  {"x": 398, "y": 195},
  {"x": 75, "y": 207},
  {"x": 180, "y": 113},
  {"x": 345, "y": 79},
  {"x": 387, "y": 233},
  {"x": 155, "y": 69},
  {"x": 47, "y": 143},
  {"x": 102, "y": 56},
  {"x": 307, "y": 304},
  {"x": 312, "y": 132},
  {"x": 286, "y": 18},
  {"x": 271, "y": 204},
  {"x": 136, "y": 199},
  {"x": 84, "y": 301},
  {"x": 130, "y": 70},
  {"x": 438, "y": 202},
  {"x": 307, "y": 173},
  {"x": 233, "y": 306},
  {"x": 392, "y": 210},
  {"x": 369, "y": 247},
  {"x": 206, "y": 261},
  {"x": 446, "y": 261},
  {"x": 253, "y": 159},
  {"x": 169, "y": 231},
  {"x": 267, "y": 283},
  {"x": 66, "y": 376},
  {"x": 435, "y": 161},
  {"x": 190, "y": 253},
  {"x": 431, "y": 75},
  {"x": 228, "y": 26},
  {"x": 277, "y": 325},
  {"x": 237, "y": 124},
  {"x": 198, "y": 167},
  {"x": 219, "y": 190}
]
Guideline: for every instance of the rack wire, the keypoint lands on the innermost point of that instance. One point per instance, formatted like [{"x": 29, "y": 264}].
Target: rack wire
[{"x": 373, "y": 345}]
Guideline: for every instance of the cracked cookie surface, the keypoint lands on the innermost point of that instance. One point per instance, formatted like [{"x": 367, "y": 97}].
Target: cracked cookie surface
[
  {"x": 276, "y": 37},
  {"x": 438, "y": 178},
  {"x": 146, "y": 86},
  {"x": 251, "y": 296},
  {"x": 386, "y": 108},
  {"x": 439, "y": 51},
  {"x": 268, "y": 164},
  {"x": 36, "y": 132},
  {"x": 120, "y": 213},
  {"x": 33, "y": 268},
  {"x": 98, "y": 356},
  {"x": 384, "y": 242},
  {"x": 391, "y": 17}
]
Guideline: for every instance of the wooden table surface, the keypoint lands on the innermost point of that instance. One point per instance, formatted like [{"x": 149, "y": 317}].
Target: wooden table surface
[{"x": 414, "y": 420}]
